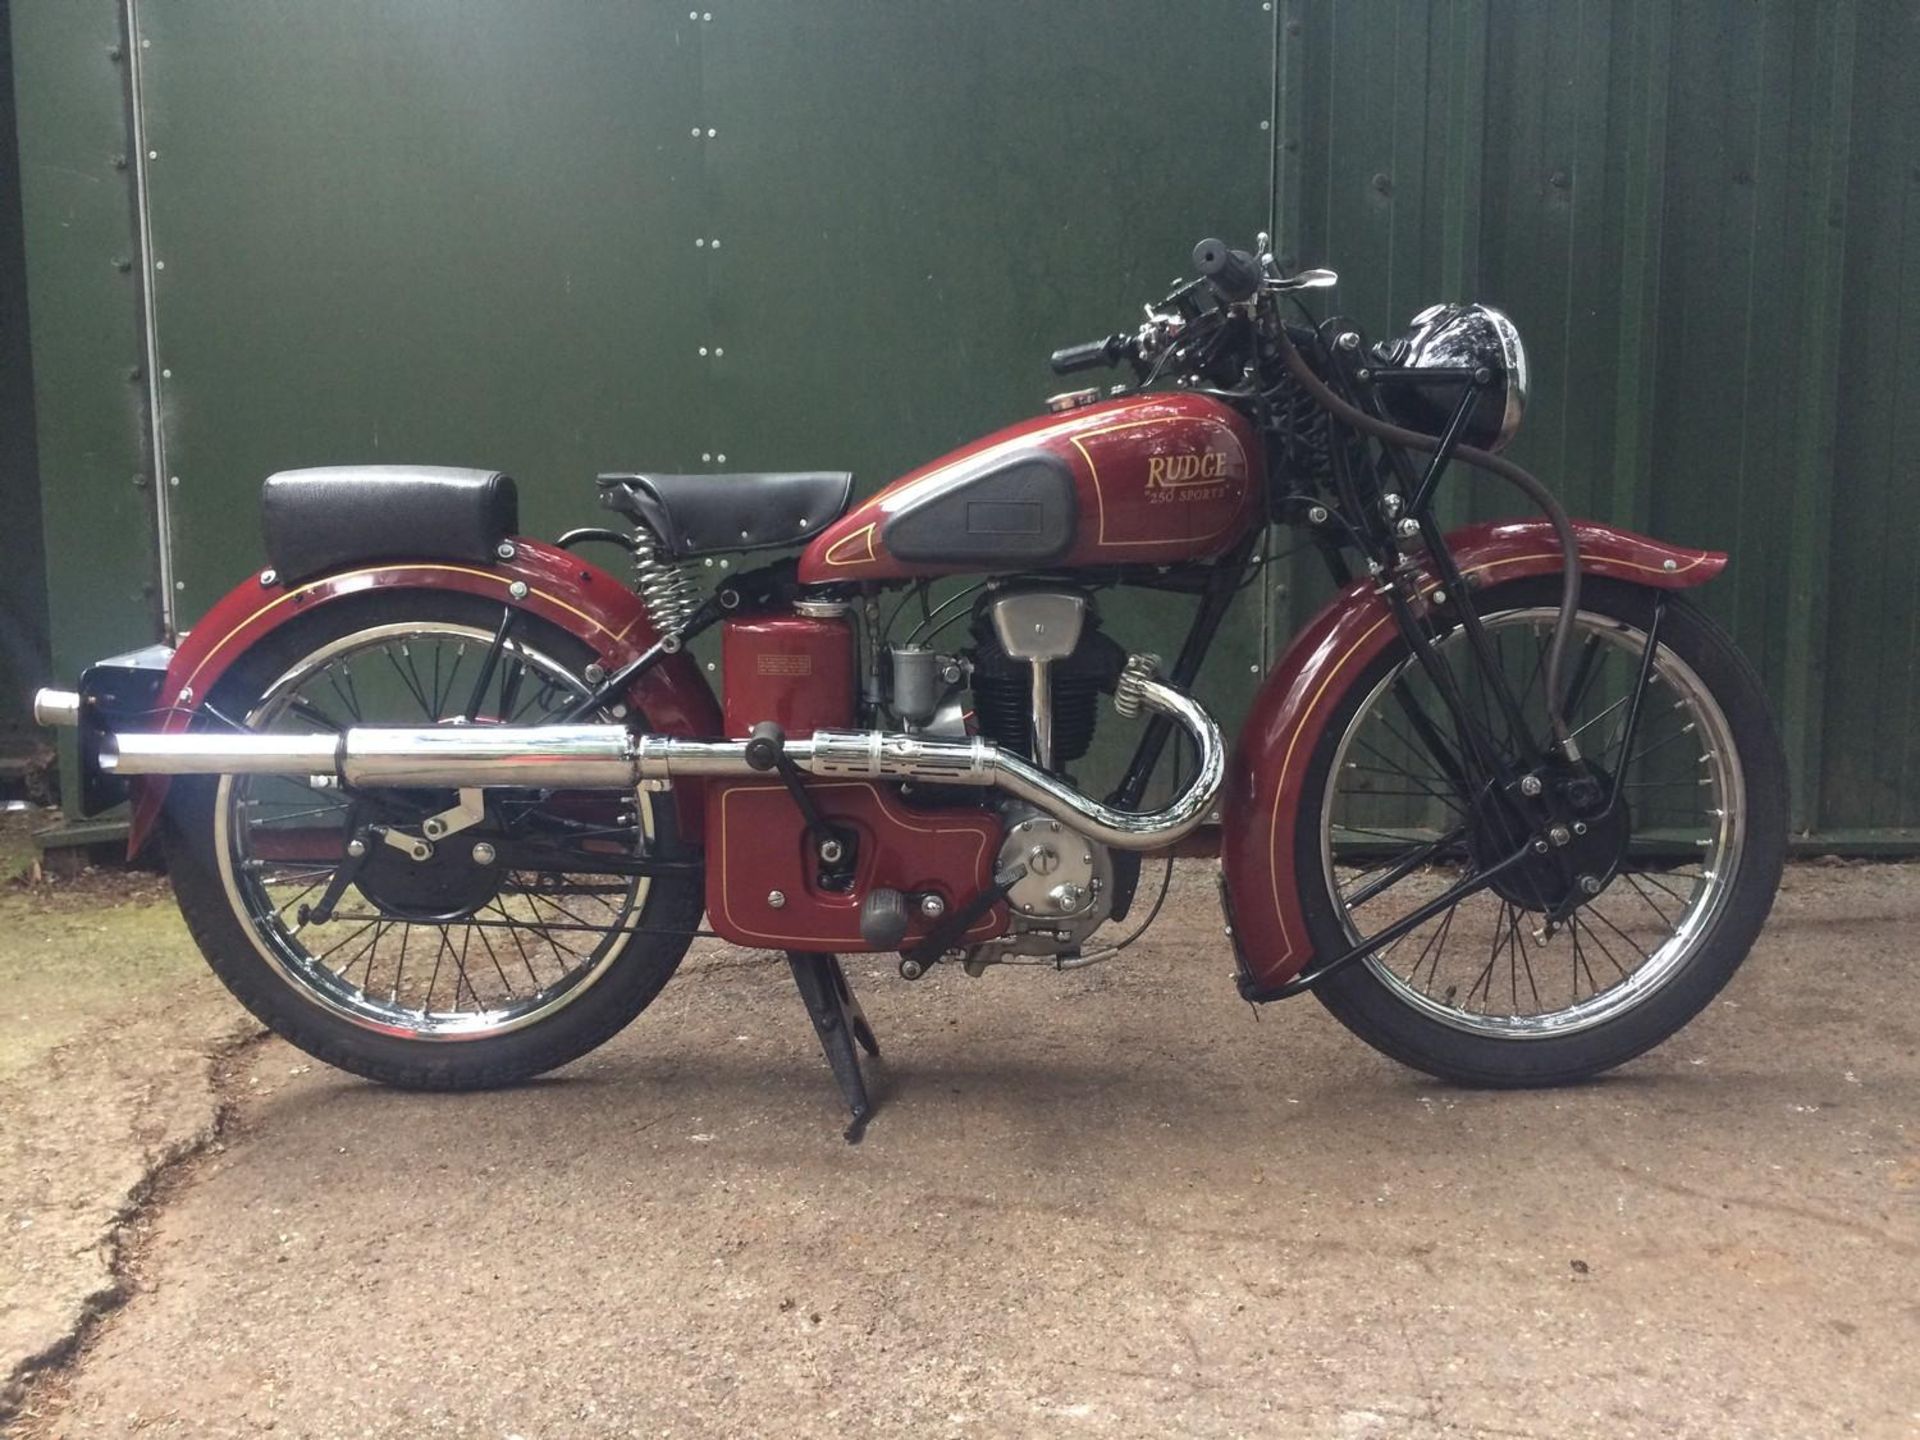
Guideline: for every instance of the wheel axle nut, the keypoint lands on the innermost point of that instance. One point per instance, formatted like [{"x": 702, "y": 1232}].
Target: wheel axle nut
[
  {"x": 483, "y": 854},
  {"x": 356, "y": 848}
]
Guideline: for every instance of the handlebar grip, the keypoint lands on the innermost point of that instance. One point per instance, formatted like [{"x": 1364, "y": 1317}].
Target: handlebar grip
[
  {"x": 1233, "y": 274},
  {"x": 1090, "y": 356}
]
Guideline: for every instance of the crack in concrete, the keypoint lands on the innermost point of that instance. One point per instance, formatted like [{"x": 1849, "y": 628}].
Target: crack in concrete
[{"x": 124, "y": 1237}]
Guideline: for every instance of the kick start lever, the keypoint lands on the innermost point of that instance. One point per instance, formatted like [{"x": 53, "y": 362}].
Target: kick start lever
[{"x": 766, "y": 749}]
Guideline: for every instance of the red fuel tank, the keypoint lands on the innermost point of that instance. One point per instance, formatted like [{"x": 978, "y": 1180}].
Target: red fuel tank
[{"x": 1148, "y": 479}]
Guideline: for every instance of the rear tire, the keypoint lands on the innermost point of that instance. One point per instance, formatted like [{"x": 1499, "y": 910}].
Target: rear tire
[
  {"x": 250, "y": 953},
  {"x": 1384, "y": 1008}
]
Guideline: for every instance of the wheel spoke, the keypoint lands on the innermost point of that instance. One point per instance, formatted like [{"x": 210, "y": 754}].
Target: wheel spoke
[
  {"x": 1418, "y": 782},
  {"x": 487, "y": 944},
  {"x": 1493, "y": 957},
  {"x": 1641, "y": 891},
  {"x": 1656, "y": 882},
  {"x": 314, "y": 715},
  {"x": 1588, "y": 725},
  {"x": 1594, "y": 911},
  {"x": 513, "y": 934},
  {"x": 1446, "y": 928},
  {"x": 439, "y": 950},
  {"x": 1398, "y": 870},
  {"x": 408, "y": 677},
  {"x": 1580, "y": 958},
  {"x": 322, "y": 957},
  {"x": 1605, "y": 949},
  {"x": 400, "y": 967}
]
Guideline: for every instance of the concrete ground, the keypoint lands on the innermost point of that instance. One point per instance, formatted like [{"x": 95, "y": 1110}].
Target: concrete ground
[{"x": 1109, "y": 1203}]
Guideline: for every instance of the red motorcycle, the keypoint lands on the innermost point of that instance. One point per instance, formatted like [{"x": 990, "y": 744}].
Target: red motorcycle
[{"x": 444, "y": 805}]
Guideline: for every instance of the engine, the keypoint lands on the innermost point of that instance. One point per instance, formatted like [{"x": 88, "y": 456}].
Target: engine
[{"x": 1036, "y": 670}]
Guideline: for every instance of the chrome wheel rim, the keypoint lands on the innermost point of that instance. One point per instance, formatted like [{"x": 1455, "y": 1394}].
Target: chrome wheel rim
[
  {"x": 1483, "y": 966},
  {"x": 535, "y": 946}
]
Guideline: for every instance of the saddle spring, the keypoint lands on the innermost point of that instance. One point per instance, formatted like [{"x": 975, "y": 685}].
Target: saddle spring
[{"x": 666, "y": 587}]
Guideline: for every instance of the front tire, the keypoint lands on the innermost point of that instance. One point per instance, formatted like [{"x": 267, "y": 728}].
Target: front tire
[
  {"x": 525, "y": 990},
  {"x": 1476, "y": 994}
]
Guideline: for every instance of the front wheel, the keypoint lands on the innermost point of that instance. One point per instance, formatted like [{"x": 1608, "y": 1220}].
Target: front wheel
[{"x": 1573, "y": 961}]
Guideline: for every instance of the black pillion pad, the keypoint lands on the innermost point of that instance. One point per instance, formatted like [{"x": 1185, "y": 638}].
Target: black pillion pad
[{"x": 337, "y": 516}]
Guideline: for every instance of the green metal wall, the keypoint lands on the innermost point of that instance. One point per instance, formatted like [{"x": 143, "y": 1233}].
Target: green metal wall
[
  {"x": 486, "y": 233},
  {"x": 23, "y": 578}
]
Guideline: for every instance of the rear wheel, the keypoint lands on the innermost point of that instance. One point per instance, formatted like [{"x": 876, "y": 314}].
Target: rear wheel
[
  {"x": 1573, "y": 961},
  {"x": 427, "y": 938}
]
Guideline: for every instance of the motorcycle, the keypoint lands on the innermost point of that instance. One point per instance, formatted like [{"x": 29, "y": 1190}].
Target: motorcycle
[{"x": 444, "y": 805}]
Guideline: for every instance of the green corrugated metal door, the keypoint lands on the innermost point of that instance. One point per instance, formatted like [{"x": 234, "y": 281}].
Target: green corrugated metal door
[{"x": 566, "y": 237}]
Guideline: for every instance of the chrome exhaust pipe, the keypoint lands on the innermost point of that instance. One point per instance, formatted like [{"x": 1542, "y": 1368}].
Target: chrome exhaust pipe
[{"x": 605, "y": 757}]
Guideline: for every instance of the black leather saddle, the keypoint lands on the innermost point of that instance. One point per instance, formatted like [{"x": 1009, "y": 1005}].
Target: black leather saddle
[
  {"x": 708, "y": 514},
  {"x": 340, "y": 515}
]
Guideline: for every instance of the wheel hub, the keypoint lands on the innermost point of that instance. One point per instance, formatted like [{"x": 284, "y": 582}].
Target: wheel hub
[
  {"x": 1583, "y": 848},
  {"x": 449, "y": 884}
]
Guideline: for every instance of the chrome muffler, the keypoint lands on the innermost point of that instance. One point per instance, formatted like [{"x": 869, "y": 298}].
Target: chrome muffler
[{"x": 605, "y": 757}]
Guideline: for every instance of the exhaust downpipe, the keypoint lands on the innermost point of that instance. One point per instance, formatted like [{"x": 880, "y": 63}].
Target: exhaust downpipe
[{"x": 604, "y": 757}]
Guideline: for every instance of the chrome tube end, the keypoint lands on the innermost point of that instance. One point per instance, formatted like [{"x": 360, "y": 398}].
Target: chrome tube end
[
  {"x": 137, "y": 753},
  {"x": 56, "y": 707}
]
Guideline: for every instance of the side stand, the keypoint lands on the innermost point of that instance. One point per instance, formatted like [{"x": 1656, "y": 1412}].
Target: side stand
[{"x": 838, "y": 1022}]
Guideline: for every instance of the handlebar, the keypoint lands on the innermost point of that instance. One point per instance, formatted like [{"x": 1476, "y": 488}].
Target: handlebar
[
  {"x": 1233, "y": 274},
  {"x": 1093, "y": 355}
]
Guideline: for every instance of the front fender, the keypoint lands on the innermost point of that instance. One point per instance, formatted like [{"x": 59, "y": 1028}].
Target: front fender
[
  {"x": 1266, "y": 773},
  {"x": 556, "y": 586}
]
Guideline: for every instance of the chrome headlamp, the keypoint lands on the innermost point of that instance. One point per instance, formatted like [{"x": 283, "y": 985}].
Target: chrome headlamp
[{"x": 1450, "y": 337}]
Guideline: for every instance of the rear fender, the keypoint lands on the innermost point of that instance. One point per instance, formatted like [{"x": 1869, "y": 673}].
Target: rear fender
[
  {"x": 555, "y": 585},
  {"x": 1267, "y": 772}
]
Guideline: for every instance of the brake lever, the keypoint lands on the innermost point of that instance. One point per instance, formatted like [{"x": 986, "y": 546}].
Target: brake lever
[
  {"x": 1302, "y": 280},
  {"x": 1181, "y": 298}
]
